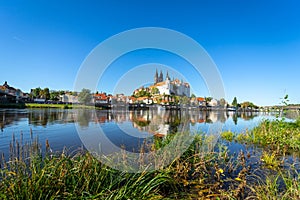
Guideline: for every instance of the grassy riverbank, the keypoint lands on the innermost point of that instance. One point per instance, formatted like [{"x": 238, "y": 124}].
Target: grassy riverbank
[
  {"x": 12, "y": 105},
  {"x": 60, "y": 106},
  {"x": 195, "y": 175}
]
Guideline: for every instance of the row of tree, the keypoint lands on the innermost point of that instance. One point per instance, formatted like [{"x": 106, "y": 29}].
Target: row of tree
[
  {"x": 246, "y": 104},
  {"x": 84, "y": 96}
]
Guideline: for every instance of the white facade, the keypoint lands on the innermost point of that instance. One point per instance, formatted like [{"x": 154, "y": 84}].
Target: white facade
[
  {"x": 175, "y": 87},
  {"x": 213, "y": 103},
  {"x": 67, "y": 98}
]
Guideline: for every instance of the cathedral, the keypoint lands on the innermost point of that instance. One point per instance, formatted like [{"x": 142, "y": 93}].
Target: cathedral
[
  {"x": 168, "y": 87},
  {"x": 159, "y": 78}
]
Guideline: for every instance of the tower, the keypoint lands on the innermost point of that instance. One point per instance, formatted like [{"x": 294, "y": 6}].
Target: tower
[
  {"x": 156, "y": 77},
  {"x": 167, "y": 76},
  {"x": 161, "y": 77}
]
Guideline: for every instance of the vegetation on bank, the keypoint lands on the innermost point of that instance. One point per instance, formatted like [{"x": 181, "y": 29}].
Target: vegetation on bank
[
  {"x": 279, "y": 136},
  {"x": 60, "y": 106},
  {"x": 195, "y": 175},
  {"x": 40, "y": 105},
  {"x": 12, "y": 105}
]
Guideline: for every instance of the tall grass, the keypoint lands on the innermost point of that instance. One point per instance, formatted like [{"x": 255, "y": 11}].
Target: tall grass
[
  {"x": 30, "y": 173},
  {"x": 76, "y": 177},
  {"x": 279, "y": 136}
]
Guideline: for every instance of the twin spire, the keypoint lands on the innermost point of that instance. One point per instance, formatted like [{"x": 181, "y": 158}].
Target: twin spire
[{"x": 160, "y": 78}]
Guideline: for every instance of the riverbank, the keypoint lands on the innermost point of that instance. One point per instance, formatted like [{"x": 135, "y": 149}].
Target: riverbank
[
  {"x": 60, "y": 106},
  {"x": 12, "y": 105},
  {"x": 217, "y": 173}
]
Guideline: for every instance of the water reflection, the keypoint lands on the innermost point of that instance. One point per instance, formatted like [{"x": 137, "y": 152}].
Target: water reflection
[
  {"x": 8, "y": 117},
  {"x": 122, "y": 127},
  {"x": 44, "y": 117},
  {"x": 157, "y": 122}
]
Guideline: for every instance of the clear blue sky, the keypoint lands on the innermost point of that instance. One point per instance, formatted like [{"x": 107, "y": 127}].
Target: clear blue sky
[{"x": 255, "y": 44}]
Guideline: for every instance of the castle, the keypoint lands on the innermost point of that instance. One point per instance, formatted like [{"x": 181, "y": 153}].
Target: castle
[{"x": 168, "y": 87}]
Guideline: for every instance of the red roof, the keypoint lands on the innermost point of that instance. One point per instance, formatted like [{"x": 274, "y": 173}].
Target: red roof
[
  {"x": 101, "y": 96},
  {"x": 200, "y": 99}
]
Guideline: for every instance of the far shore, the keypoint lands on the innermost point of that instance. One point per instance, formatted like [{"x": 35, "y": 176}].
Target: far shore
[{"x": 61, "y": 106}]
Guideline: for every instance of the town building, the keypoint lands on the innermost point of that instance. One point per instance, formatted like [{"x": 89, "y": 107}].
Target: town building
[
  {"x": 68, "y": 98},
  {"x": 11, "y": 94},
  {"x": 101, "y": 98},
  {"x": 170, "y": 87}
]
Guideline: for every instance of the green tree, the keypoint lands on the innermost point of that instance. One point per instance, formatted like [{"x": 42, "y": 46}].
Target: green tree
[
  {"x": 36, "y": 92},
  {"x": 222, "y": 102},
  {"x": 54, "y": 95},
  {"x": 85, "y": 96},
  {"x": 46, "y": 93},
  {"x": 248, "y": 104},
  {"x": 193, "y": 96},
  {"x": 245, "y": 104},
  {"x": 75, "y": 93},
  {"x": 208, "y": 99},
  {"x": 234, "y": 102},
  {"x": 155, "y": 90},
  {"x": 61, "y": 92}
]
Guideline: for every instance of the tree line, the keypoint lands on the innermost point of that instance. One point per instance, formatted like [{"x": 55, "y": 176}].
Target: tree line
[{"x": 85, "y": 96}]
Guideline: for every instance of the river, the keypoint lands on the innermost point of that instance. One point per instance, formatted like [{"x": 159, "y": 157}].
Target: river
[{"x": 129, "y": 129}]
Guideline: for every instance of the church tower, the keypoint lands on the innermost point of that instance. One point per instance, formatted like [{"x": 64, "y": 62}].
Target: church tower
[
  {"x": 161, "y": 77},
  {"x": 167, "y": 76},
  {"x": 156, "y": 77}
]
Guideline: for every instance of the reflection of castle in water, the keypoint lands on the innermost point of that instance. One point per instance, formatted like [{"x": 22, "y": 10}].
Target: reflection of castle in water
[{"x": 158, "y": 122}]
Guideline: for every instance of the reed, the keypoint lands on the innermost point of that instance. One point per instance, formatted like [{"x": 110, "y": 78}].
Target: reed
[{"x": 30, "y": 173}]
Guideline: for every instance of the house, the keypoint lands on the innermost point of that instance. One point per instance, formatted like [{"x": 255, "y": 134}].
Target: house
[
  {"x": 7, "y": 98},
  {"x": 10, "y": 90},
  {"x": 101, "y": 98},
  {"x": 132, "y": 100},
  {"x": 146, "y": 100},
  {"x": 201, "y": 101},
  {"x": 13, "y": 94},
  {"x": 69, "y": 98},
  {"x": 213, "y": 103}
]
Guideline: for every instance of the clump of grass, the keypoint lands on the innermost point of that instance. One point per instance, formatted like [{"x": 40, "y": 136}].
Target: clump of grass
[
  {"x": 227, "y": 135},
  {"x": 80, "y": 176},
  {"x": 242, "y": 137},
  {"x": 269, "y": 188},
  {"x": 270, "y": 160},
  {"x": 278, "y": 135}
]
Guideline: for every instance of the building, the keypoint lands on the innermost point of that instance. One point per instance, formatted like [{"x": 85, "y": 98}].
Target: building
[
  {"x": 201, "y": 101},
  {"x": 213, "y": 103},
  {"x": 168, "y": 87},
  {"x": 101, "y": 98},
  {"x": 12, "y": 94},
  {"x": 68, "y": 98}
]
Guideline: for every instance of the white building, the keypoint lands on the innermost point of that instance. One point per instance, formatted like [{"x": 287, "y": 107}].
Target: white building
[
  {"x": 68, "y": 98},
  {"x": 168, "y": 87},
  {"x": 213, "y": 103}
]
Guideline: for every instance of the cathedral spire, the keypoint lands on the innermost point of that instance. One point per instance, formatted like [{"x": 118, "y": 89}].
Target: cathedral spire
[
  {"x": 156, "y": 77},
  {"x": 161, "y": 77},
  {"x": 167, "y": 76}
]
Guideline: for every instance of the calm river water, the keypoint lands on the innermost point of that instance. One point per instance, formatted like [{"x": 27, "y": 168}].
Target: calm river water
[{"x": 123, "y": 128}]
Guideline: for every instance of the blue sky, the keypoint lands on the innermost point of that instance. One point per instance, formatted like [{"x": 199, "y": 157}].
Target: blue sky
[{"x": 255, "y": 44}]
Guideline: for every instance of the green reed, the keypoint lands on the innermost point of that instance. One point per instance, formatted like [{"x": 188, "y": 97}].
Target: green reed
[{"x": 30, "y": 173}]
